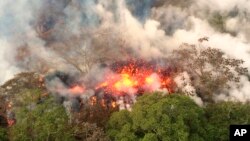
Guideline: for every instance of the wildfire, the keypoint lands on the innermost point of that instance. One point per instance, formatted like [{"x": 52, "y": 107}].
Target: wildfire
[
  {"x": 9, "y": 105},
  {"x": 125, "y": 82},
  {"x": 119, "y": 86},
  {"x": 93, "y": 100},
  {"x": 41, "y": 81},
  {"x": 113, "y": 104},
  {"x": 149, "y": 80},
  {"x": 10, "y": 115},
  {"x": 77, "y": 89},
  {"x": 134, "y": 79}
]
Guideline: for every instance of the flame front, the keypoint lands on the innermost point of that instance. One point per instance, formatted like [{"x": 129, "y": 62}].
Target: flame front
[
  {"x": 77, "y": 89},
  {"x": 119, "y": 85},
  {"x": 133, "y": 79},
  {"x": 125, "y": 82}
]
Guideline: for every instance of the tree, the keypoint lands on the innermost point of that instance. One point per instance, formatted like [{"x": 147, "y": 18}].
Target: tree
[
  {"x": 95, "y": 114},
  {"x": 39, "y": 119},
  {"x": 221, "y": 115},
  {"x": 90, "y": 48},
  {"x": 3, "y": 134},
  {"x": 159, "y": 117},
  {"x": 89, "y": 132},
  {"x": 210, "y": 70}
]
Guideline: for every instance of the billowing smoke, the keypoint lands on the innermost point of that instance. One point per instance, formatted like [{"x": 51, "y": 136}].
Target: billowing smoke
[
  {"x": 120, "y": 82},
  {"x": 82, "y": 37},
  {"x": 184, "y": 83},
  {"x": 6, "y": 63}
]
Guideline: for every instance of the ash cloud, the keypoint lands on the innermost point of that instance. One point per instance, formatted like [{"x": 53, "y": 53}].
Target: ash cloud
[{"x": 48, "y": 35}]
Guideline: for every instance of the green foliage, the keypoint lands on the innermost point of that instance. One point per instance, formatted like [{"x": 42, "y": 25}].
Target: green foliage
[
  {"x": 45, "y": 120},
  {"x": 159, "y": 117},
  {"x": 154, "y": 117},
  {"x": 176, "y": 117},
  {"x": 41, "y": 118},
  {"x": 221, "y": 115},
  {"x": 3, "y": 134},
  {"x": 27, "y": 97},
  {"x": 120, "y": 126}
]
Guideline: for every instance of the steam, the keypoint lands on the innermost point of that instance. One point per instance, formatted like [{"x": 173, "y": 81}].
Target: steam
[
  {"x": 183, "y": 82},
  {"x": 5, "y": 63},
  {"x": 59, "y": 34}
]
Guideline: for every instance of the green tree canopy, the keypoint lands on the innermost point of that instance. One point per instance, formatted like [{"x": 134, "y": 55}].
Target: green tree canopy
[
  {"x": 159, "y": 117},
  {"x": 221, "y": 115},
  {"x": 3, "y": 134},
  {"x": 42, "y": 119},
  {"x": 39, "y": 119}
]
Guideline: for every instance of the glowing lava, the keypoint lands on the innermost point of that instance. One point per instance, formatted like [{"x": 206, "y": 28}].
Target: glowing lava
[
  {"x": 77, "y": 89},
  {"x": 125, "y": 82},
  {"x": 135, "y": 79},
  {"x": 149, "y": 80}
]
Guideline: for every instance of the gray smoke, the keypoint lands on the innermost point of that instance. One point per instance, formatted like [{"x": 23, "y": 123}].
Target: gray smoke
[{"x": 75, "y": 35}]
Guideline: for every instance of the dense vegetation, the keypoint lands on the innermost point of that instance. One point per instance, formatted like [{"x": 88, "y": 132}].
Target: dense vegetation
[
  {"x": 155, "y": 116},
  {"x": 176, "y": 117},
  {"x": 42, "y": 118},
  {"x": 3, "y": 134},
  {"x": 158, "y": 117}
]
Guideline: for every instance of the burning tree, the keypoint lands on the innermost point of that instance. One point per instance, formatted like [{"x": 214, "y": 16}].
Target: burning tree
[{"x": 211, "y": 71}]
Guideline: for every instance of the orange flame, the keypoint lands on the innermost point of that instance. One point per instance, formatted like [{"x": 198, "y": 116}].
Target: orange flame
[
  {"x": 149, "y": 80},
  {"x": 9, "y": 106},
  {"x": 103, "y": 103},
  {"x": 77, "y": 89},
  {"x": 113, "y": 104},
  {"x": 125, "y": 82},
  {"x": 93, "y": 100},
  {"x": 132, "y": 78}
]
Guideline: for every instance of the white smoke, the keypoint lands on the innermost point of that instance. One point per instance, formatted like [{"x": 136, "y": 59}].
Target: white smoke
[
  {"x": 237, "y": 93},
  {"x": 109, "y": 28},
  {"x": 183, "y": 83},
  {"x": 6, "y": 69}
]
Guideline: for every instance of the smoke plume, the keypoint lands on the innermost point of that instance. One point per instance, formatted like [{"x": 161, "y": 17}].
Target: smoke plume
[{"x": 82, "y": 37}]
